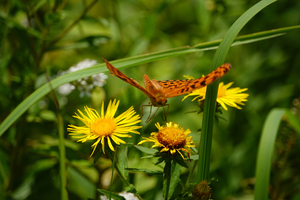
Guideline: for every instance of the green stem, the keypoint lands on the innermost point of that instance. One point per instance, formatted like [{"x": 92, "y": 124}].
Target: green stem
[
  {"x": 122, "y": 177},
  {"x": 112, "y": 173},
  {"x": 167, "y": 178},
  {"x": 191, "y": 173},
  {"x": 62, "y": 159},
  {"x": 168, "y": 187},
  {"x": 62, "y": 150}
]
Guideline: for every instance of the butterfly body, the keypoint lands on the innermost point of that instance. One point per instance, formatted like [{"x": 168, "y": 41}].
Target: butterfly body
[
  {"x": 157, "y": 97},
  {"x": 159, "y": 91}
]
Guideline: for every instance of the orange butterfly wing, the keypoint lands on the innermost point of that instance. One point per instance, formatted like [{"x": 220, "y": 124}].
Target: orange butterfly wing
[
  {"x": 159, "y": 91},
  {"x": 173, "y": 88},
  {"x": 114, "y": 71}
]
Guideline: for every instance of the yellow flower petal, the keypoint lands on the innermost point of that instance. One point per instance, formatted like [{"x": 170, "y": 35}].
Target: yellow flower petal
[
  {"x": 230, "y": 97},
  {"x": 105, "y": 128}
]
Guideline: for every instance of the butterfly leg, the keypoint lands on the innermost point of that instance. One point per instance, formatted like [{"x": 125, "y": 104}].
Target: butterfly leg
[
  {"x": 143, "y": 110},
  {"x": 165, "y": 113},
  {"x": 151, "y": 117}
]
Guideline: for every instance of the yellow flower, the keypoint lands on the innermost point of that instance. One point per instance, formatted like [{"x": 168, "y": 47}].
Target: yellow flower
[
  {"x": 170, "y": 138},
  {"x": 105, "y": 128},
  {"x": 231, "y": 97}
]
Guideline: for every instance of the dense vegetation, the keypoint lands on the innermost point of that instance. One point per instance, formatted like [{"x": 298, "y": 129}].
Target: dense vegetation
[{"x": 40, "y": 39}]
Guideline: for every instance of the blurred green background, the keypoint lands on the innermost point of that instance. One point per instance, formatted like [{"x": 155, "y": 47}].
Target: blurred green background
[{"x": 29, "y": 167}]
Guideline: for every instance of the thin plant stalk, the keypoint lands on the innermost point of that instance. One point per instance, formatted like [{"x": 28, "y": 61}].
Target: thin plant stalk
[
  {"x": 167, "y": 178},
  {"x": 62, "y": 159},
  {"x": 61, "y": 138},
  {"x": 168, "y": 187}
]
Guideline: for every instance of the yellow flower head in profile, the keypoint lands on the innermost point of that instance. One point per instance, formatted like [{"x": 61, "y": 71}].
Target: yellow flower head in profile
[
  {"x": 170, "y": 138},
  {"x": 232, "y": 97},
  {"x": 105, "y": 128}
]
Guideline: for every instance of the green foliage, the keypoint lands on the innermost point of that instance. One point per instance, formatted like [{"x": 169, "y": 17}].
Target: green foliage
[{"x": 168, "y": 39}]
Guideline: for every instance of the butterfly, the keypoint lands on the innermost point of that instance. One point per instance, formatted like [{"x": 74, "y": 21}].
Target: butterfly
[{"x": 159, "y": 91}]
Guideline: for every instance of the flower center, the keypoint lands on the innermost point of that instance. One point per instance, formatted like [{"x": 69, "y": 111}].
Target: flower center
[
  {"x": 103, "y": 127},
  {"x": 172, "y": 137}
]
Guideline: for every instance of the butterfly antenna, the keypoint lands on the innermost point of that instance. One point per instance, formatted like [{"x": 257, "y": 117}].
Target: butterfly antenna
[{"x": 151, "y": 117}]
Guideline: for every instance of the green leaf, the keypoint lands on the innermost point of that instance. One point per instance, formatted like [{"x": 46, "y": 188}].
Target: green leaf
[
  {"x": 123, "y": 162},
  {"x": 265, "y": 151},
  {"x": 131, "y": 189},
  {"x": 147, "y": 157},
  {"x": 178, "y": 159},
  {"x": 48, "y": 115},
  {"x": 113, "y": 195},
  {"x": 160, "y": 160},
  {"x": 146, "y": 150},
  {"x": 38, "y": 5},
  {"x": 194, "y": 157},
  {"x": 153, "y": 172},
  {"x": 175, "y": 177}
]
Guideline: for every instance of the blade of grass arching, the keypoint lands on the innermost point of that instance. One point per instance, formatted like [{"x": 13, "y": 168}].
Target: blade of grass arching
[
  {"x": 132, "y": 61},
  {"x": 211, "y": 93},
  {"x": 250, "y": 38},
  {"x": 265, "y": 151}
]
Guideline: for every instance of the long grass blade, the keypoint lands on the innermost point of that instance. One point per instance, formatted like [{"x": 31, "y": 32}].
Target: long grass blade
[
  {"x": 265, "y": 151},
  {"x": 211, "y": 93}
]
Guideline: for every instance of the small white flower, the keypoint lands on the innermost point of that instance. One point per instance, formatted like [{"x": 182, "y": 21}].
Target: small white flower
[
  {"x": 65, "y": 89},
  {"x": 99, "y": 79},
  {"x": 126, "y": 195},
  {"x": 86, "y": 84}
]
